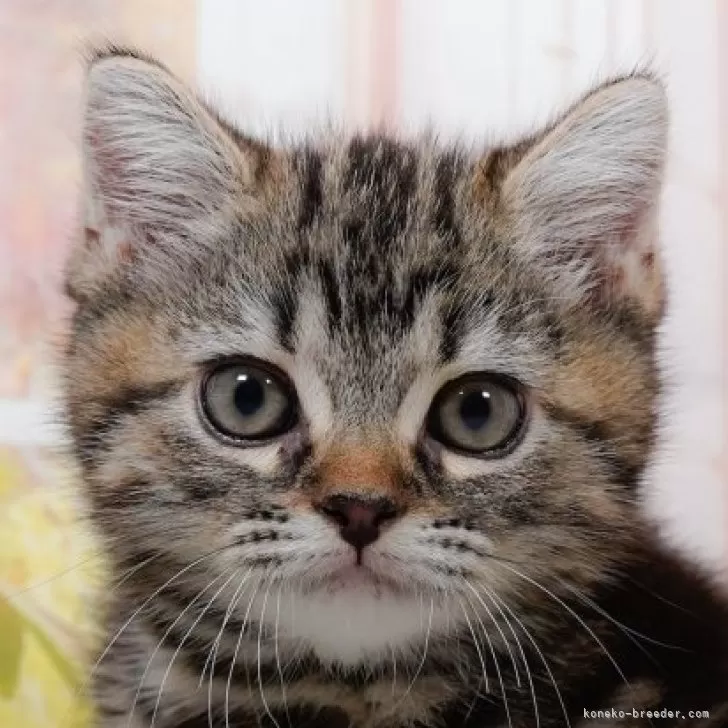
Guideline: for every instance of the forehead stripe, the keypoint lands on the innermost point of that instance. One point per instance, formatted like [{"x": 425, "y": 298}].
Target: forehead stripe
[
  {"x": 381, "y": 179},
  {"x": 307, "y": 163},
  {"x": 443, "y": 216}
]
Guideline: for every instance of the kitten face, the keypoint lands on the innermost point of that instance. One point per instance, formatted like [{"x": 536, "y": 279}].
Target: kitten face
[{"x": 391, "y": 384}]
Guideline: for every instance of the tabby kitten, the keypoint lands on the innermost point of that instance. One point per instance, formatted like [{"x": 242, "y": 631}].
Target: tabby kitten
[{"x": 362, "y": 422}]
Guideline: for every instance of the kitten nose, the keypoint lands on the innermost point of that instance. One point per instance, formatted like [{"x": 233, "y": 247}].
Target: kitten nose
[{"x": 358, "y": 517}]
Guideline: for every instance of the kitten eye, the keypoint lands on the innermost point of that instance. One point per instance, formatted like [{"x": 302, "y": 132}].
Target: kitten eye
[
  {"x": 479, "y": 414},
  {"x": 248, "y": 401}
]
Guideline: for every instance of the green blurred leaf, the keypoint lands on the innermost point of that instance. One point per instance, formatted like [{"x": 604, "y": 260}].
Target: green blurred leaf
[
  {"x": 12, "y": 627},
  {"x": 63, "y": 665}
]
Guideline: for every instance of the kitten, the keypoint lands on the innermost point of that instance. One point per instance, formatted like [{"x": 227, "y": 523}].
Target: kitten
[{"x": 362, "y": 422}]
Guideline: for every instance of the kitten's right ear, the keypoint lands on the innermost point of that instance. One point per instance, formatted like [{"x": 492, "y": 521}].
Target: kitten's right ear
[
  {"x": 162, "y": 173},
  {"x": 581, "y": 198}
]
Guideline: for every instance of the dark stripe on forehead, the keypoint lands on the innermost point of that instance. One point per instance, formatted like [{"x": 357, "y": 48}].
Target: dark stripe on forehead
[
  {"x": 443, "y": 215},
  {"x": 452, "y": 331},
  {"x": 424, "y": 280},
  {"x": 285, "y": 308},
  {"x": 554, "y": 328},
  {"x": 381, "y": 177},
  {"x": 331, "y": 291},
  {"x": 284, "y": 296},
  {"x": 308, "y": 165},
  {"x": 492, "y": 170}
]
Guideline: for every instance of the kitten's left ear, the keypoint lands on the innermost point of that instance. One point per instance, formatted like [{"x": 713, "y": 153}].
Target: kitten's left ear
[{"x": 582, "y": 200}]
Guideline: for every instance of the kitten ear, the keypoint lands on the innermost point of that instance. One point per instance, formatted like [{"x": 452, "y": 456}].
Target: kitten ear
[
  {"x": 161, "y": 171},
  {"x": 583, "y": 198}
]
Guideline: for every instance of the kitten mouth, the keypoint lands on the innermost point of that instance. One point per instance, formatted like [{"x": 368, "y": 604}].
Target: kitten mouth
[
  {"x": 359, "y": 578},
  {"x": 357, "y": 575}
]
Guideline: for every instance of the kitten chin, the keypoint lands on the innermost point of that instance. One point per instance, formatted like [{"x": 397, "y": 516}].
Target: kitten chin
[
  {"x": 360, "y": 627},
  {"x": 363, "y": 421}
]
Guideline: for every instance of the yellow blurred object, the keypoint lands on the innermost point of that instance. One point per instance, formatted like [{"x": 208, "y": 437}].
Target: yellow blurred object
[{"x": 50, "y": 579}]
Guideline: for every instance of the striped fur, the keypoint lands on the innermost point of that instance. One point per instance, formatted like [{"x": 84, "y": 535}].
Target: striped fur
[{"x": 372, "y": 270}]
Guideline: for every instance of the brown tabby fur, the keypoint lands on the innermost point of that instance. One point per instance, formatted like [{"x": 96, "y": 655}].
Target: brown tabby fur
[{"x": 520, "y": 591}]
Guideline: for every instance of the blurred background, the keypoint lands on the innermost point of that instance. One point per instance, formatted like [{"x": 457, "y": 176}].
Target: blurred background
[{"x": 478, "y": 69}]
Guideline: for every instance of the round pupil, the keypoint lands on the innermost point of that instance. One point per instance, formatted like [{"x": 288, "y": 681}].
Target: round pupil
[
  {"x": 249, "y": 394},
  {"x": 475, "y": 409}
]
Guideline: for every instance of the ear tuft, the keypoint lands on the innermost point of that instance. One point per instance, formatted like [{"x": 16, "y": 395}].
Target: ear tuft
[{"x": 582, "y": 200}]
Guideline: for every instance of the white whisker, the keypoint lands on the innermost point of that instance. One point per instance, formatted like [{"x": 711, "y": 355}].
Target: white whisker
[
  {"x": 258, "y": 660},
  {"x": 628, "y": 631},
  {"x": 539, "y": 653},
  {"x": 212, "y": 654},
  {"x": 500, "y": 631},
  {"x": 497, "y": 667},
  {"x": 179, "y": 647},
  {"x": 565, "y": 606},
  {"x": 476, "y": 642},
  {"x": 529, "y": 677},
  {"x": 394, "y": 668},
  {"x": 235, "y": 654},
  {"x": 147, "y": 602},
  {"x": 424, "y": 656},
  {"x": 216, "y": 646},
  {"x": 278, "y": 655},
  {"x": 164, "y": 636}
]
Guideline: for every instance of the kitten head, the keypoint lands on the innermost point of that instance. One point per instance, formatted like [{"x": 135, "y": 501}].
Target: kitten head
[{"x": 395, "y": 377}]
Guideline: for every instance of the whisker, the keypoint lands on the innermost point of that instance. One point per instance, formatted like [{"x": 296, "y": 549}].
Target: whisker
[
  {"x": 214, "y": 648},
  {"x": 161, "y": 641},
  {"x": 540, "y": 654},
  {"x": 477, "y": 646},
  {"x": 179, "y": 647},
  {"x": 99, "y": 554},
  {"x": 394, "y": 668},
  {"x": 55, "y": 576},
  {"x": 565, "y": 606},
  {"x": 278, "y": 655},
  {"x": 258, "y": 660},
  {"x": 235, "y": 654},
  {"x": 659, "y": 597},
  {"x": 529, "y": 677},
  {"x": 628, "y": 631},
  {"x": 500, "y": 631},
  {"x": 147, "y": 602},
  {"x": 424, "y": 657},
  {"x": 133, "y": 570},
  {"x": 216, "y": 645},
  {"x": 497, "y": 667}
]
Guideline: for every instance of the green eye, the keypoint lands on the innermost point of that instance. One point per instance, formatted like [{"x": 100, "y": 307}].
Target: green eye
[
  {"x": 479, "y": 414},
  {"x": 248, "y": 401}
]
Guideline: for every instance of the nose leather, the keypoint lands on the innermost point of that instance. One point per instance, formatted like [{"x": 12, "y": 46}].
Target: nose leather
[{"x": 359, "y": 518}]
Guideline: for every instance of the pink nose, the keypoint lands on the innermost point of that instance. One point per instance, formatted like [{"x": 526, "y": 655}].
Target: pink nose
[{"x": 358, "y": 517}]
